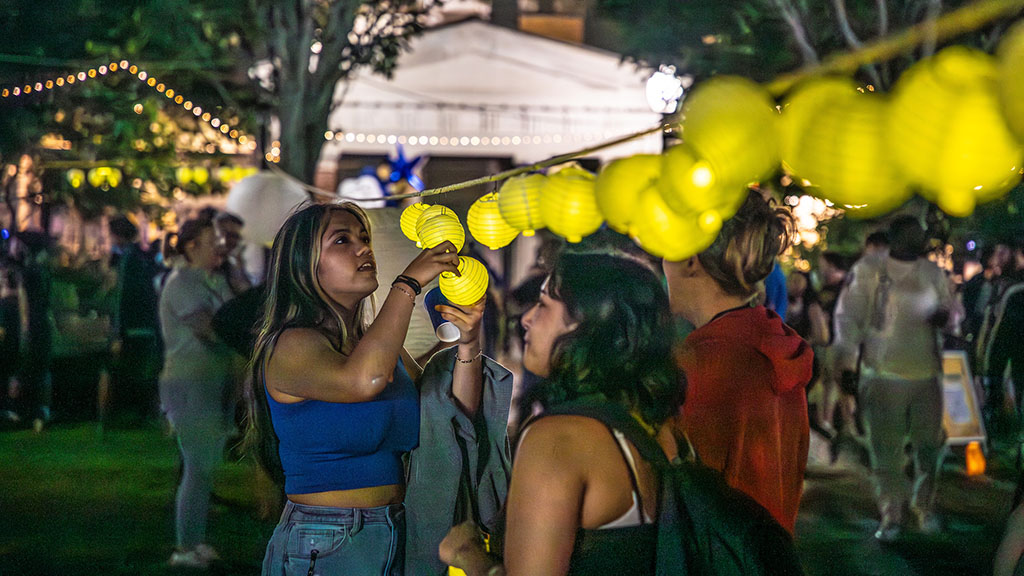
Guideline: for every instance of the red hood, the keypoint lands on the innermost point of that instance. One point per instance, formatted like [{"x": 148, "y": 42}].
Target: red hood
[{"x": 763, "y": 330}]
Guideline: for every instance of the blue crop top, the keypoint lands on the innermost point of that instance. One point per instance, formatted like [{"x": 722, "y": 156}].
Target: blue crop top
[{"x": 334, "y": 446}]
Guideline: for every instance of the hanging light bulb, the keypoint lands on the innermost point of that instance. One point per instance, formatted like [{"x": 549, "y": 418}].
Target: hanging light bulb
[
  {"x": 470, "y": 287},
  {"x": 486, "y": 224},
  {"x": 519, "y": 202}
]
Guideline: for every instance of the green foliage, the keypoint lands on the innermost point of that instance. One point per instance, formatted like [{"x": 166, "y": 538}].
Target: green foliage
[{"x": 756, "y": 38}]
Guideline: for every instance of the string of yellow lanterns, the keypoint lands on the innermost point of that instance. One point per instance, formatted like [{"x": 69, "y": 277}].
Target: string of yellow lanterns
[{"x": 124, "y": 66}]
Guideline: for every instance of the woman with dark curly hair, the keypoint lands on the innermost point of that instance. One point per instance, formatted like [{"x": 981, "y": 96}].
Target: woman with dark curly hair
[
  {"x": 746, "y": 371},
  {"x": 582, "y": 500}
]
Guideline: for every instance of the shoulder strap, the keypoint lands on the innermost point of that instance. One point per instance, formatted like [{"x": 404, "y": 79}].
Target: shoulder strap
[{"x": 616, "y": 417}]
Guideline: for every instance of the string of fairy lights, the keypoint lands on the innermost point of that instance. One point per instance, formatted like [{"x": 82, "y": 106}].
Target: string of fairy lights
[{"x": 125, "y": 67}]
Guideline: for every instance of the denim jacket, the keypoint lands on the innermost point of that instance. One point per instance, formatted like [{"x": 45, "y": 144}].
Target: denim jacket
[{"x": 451, "y": 442}]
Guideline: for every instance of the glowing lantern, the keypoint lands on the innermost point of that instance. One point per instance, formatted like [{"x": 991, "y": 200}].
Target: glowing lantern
[
  {"x": 468, "y": 288},
  {"x": 844, "y": 152},
  {"x": 519, "y": 202},
  {"x": 619, "y": 185},
  {"x": 975, "y": 459},
  {"x": 104, "y": 177},
  {"x": 799, "y": 113},
  {"x": 264, "y": 201},
  {"x": 662, "y": 232},
  {"x": 200, "y": 175},
  {"x": 437, "y": 224},
  {"x": 1011, "y": 79},
  {"x": 486, "y": 224},
  {"x": 410, "y": 216},
  {"x": 183, "y": 174},
  {"x": 731, "y": 123},
  {"x": 689, "y": 185},
  {"x": 568, "y": 205},
  {"x": 76, "y": 177},
  {"x": 947, "y": 133}
]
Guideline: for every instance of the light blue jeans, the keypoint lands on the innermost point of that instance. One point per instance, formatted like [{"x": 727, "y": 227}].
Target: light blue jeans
[{"x": 323, "y": 541}]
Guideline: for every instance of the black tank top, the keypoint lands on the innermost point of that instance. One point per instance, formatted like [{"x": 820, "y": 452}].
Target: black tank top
[{"x": 628, "y": 550}]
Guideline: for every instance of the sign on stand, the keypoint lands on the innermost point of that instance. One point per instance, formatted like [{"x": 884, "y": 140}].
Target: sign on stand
[{"x": 961, "y": 416}]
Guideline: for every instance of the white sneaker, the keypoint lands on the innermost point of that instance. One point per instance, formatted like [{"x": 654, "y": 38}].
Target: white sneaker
[
  {"x": 188, "y": 559},
  {"x": 889, "y": 529},
  {"x": 207, "y": 552}
]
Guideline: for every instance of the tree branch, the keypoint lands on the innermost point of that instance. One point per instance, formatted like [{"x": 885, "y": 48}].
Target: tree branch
[
  {"x": 851, "y": 38},
  {"x": 792, "y": 18}
]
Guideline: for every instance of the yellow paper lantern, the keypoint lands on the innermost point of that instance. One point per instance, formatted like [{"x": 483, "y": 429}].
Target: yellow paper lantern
[
  {"x": 183, "y": 175},
  {"x": 843, "y": 151},
  {"x": 619, "y": 185},
  {"x": 97, "y": 176},
  {"x": 519, "y": 202},
  {"x": 434, "y": 227},
  {"x": 200, "y": 175},
  {"x": 1011, "y": 79},
  {"x": 76, "y": 177},
  {"x": 662, "y": 232},
  {"x": 486, "y": 224},
  {"x": 114, "y": 177},
  {"x": 689, "y": 185},
  {"x": 799, "y": 113},
  {"x": 731, "y": 122},
  {"x": 468, "y": 288},
  {"x": 568, "y": 205},
  {"x": 407, "y": 221},
  {"x": 947, "y": 132}
]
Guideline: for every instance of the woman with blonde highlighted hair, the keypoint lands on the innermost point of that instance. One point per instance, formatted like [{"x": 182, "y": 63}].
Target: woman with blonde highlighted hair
[
  {"x": 334, "y": 406},
  {"x": 747, "y": 371}
]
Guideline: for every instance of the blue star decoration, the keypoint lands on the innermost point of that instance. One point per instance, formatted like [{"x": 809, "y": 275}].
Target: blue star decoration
[{"x": 402, "y": 169}]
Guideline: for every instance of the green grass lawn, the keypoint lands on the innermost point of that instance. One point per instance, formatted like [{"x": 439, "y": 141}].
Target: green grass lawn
[{"x": 74, "y": 501}]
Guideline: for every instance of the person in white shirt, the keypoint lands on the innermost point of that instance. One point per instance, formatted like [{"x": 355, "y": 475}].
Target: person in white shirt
[{"x": 891, "y": 316}]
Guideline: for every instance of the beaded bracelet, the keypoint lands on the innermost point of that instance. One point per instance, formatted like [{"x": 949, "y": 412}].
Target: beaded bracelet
[
  {"x": 412, "y": 282},
  {"x": 397, "y": 286}
]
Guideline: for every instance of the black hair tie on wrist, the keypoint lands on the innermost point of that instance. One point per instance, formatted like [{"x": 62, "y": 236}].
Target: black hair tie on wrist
[{"x": 412, "y": 282}]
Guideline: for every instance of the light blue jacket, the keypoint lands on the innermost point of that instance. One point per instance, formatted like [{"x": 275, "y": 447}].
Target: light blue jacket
[{"x": 450, "y": 442}]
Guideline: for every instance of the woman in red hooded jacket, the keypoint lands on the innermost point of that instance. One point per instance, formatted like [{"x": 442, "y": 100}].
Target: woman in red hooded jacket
[{"x": 746, "y": 407}]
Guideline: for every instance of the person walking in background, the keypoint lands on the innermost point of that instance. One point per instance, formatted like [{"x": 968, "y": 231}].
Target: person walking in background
[
  {"x": 196, "y": 386},
  {"x": 1002, "y": 347},
  {"x": 334, "y": 403},
  {"x": 891, "y": 317},
  {"x": 135, "y": 346},
  {"x": 37, "y": 354},
  {"x": 746, "y": 403},
  {"x": 229, "y": 236}
]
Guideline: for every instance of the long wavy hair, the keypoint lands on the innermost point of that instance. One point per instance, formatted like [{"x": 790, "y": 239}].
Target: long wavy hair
[
  {"x": 295, "y": 299},
  {"x": 621, "y": 347}
]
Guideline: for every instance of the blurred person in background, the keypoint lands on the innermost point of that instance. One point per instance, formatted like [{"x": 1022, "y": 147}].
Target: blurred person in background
[
  {"x": 889, "y": 323},
  {"x": 136, "y": 348},
  {"x": 229, "y": 235},
  {"x": 196, "y": 385}
]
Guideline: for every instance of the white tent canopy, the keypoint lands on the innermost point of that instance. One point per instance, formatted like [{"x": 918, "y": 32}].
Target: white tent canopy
[{"x": 476, "y": 89}]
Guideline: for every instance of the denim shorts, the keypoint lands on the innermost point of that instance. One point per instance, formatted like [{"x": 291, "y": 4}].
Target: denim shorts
[{"x": 324, "y": 541}]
